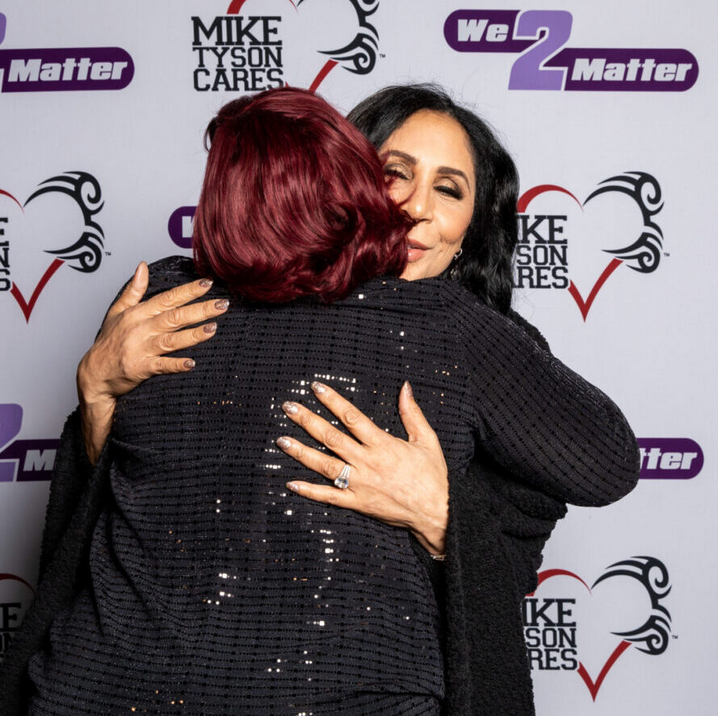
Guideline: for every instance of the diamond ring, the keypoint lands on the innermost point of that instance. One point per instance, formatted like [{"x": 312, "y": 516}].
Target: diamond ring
[{"x": 342, "y": 480}]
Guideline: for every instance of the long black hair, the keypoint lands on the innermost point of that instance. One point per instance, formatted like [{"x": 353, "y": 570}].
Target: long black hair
[{"x": 485, "y": 265}]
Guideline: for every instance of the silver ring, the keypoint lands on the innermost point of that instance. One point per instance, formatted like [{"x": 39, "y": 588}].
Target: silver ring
[{"x": 342, "y": 480}]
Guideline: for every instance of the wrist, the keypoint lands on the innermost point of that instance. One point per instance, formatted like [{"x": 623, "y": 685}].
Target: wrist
[
  {"x": 91, "y": 392},
  {"x": 432, "y": 532}
]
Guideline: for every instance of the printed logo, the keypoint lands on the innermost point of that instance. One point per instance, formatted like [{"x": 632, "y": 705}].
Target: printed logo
[
  {"x": 16, "y": 596},
  {"x": 180, "y": 226},
  {"x": 670, "y": 458},
  {"x": 23, "y": 460},
  {"x": 546, "y": 64},
  {"x": 542, "y": 259},
  {"x": 83, "y": 253},
  {"x": 572, "y": 626},
  {"x": 244, "y": 52},
  {"x": 63, "y": 69}
]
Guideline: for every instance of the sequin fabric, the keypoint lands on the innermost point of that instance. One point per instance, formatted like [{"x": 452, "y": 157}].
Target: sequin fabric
[{"x": 212, "y": 589}]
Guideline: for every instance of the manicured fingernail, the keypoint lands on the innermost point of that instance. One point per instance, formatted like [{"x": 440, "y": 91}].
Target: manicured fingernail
[
  {"x": 284, "y": 443},
  {"x": 319, "y": 388},
  {"x": 206, "y": 282},
  {"x": 189, "y": 363},
  {"x": 209, "y": 327},
  {"x": 290, "y": 408},
  {"x": 293, "y": 486},
  {"x": 222, "y": 304},
  {"x": 407, "y": 389}
]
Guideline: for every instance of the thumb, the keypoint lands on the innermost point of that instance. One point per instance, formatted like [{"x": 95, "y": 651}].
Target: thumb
[
  {"x": 415, "y": 424},
  {"x": 134, "y": 291}
]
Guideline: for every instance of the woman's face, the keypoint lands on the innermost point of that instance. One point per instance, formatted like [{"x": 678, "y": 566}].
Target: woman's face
[{"x": 429, "y": 166}]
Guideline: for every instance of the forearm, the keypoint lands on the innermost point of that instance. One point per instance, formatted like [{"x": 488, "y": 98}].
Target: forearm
[{"x": 547, "y": 425}]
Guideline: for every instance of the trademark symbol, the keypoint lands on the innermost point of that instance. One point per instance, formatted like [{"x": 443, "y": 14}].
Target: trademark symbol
[
  {"x": 108, "y": 253},
  {"x": 675, "y": 636},
  {"x": 665, "y": 253},
  {"x": 382, "y": 55}
]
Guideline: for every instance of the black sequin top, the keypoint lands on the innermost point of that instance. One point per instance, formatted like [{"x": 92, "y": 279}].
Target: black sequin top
[{"x": 212, "y": 589}]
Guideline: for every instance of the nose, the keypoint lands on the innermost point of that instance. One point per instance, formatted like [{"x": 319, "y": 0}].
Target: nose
[{"x": 419, "y": 202}]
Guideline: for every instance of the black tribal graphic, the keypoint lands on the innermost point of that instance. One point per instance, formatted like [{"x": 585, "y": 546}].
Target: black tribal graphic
[
  {"x": 645, "y": 190},
  {"x": 86, "y": 191},
  {"x": 653, "y": 575}
]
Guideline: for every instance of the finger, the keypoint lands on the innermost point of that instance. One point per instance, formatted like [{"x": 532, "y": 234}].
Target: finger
[
  {"x": 358, "y": 424},
  {"x": 315, "y": 460},
  {"x": 133, "y": 292},
  {"x": 321, "y": 430},
  {"x": 177, "y": 296},
  {"x": 180, "y": 340},
  {"x": 416, "y": 426},
  {"x": 162, "y": 366},
  {"x": 324, "y": 493},
  {"x": 184, "y": 316}
]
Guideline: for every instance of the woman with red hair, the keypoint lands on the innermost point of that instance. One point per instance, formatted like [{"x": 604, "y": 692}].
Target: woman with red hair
[{"x": 188, "y": 578}]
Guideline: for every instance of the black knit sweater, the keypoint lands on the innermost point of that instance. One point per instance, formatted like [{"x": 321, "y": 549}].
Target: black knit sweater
[{"x": 475, "y": 374}]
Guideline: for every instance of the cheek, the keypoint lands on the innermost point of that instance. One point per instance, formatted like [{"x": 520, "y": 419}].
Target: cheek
[
  {"x": 455, "y": 226},
  {"x": 398, "y": 192}
]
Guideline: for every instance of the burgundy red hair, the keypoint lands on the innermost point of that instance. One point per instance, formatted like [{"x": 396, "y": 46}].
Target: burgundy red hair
[{"x": 294, "y": 202}]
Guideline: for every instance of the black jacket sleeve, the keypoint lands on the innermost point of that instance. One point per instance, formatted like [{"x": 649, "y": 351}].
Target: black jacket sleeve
[{"x": 538, "y": 419}]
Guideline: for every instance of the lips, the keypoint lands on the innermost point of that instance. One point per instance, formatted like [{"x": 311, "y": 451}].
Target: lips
[{"x": 416, "y": 250}]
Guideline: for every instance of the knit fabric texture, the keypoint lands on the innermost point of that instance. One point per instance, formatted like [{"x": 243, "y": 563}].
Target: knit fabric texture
[{"x": 212, "y": 589}]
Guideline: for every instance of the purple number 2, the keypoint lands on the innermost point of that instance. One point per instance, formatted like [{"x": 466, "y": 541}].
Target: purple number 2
[
  {"x": 10, "y": 423},
  {"x": 527, "y": 72}
]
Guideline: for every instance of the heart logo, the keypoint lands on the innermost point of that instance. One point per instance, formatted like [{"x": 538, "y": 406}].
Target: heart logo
[
  {"x": 357, "y": 56},
  {"x": 650, "y": 634},
  {"x": 83, "y": 254},
  {"x": 641, "y": 254}
]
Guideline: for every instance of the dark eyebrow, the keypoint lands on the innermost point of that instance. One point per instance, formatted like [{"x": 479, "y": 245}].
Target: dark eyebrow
[
  {"x": 402, "y": 155},
  {"x": 453, "y": 172}
]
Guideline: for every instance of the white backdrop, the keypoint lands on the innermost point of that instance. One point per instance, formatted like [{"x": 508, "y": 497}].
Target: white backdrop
[{"x": 128, "y": 122}]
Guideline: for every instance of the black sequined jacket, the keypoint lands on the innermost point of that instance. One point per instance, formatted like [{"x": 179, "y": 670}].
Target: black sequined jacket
[{"x": 497, "y": 529}]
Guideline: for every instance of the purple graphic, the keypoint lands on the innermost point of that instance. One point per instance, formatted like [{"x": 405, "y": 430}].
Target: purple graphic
[
  {"x": 32, "y": 459},
  {"x": 483, "y": 31},
  {"x": 65, "y": 69},
  {"x": 670, "y": 458},
  {"x": 547, "y": 64},
  {"x": 3, "y": 27},
  {"x": 625, "y": 70},
  {"x": 179, "y": 226},
  {"x": 550, "y": 30},
  {"x": 10, "y": 423}
]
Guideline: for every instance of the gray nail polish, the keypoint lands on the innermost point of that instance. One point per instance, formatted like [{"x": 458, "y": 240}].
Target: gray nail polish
[
  {"x": 284, "y": 443},
  {"x": 222, "y": 304},
  {"x": 206, "y": 282},
  {"x": 319, "y": 388},
  {"x": 209, "y": 327},
  {"x": 291, "y": 408}
]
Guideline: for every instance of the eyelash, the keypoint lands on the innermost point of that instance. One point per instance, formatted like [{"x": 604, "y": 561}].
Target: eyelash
[
  {"x": 450, "y": 191},
  {"x": 396, "y": 173}
]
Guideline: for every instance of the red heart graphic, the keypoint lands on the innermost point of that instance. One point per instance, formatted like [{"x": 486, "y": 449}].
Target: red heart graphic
[
  {"x": 583, "y": 305},
  {"x": 27, "y": 306},
  {"x": 592, "y": 686}
]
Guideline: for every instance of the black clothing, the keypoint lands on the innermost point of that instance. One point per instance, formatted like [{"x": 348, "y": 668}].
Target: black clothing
[{"x": 213, "y": 586}]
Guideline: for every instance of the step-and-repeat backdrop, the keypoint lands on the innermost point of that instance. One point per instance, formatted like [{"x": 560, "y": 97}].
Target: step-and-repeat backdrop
[{"x": 609, "y": 110}]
